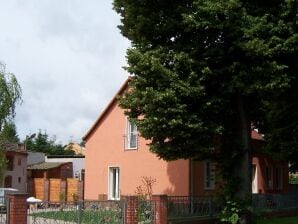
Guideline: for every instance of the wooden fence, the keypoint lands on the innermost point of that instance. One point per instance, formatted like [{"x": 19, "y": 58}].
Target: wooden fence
[{"x": 56, "y": 190}]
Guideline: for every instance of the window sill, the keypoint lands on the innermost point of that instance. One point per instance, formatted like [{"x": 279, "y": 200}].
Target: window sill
[{"x": 130, "y": 149}]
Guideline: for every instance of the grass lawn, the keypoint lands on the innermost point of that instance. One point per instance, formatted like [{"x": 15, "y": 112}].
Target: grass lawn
[{"x": 284, "y": 220}]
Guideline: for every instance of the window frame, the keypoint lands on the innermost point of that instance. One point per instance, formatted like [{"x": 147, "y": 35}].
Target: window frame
[
  {"x": 114, "y": 183},
  {"x": 209, "y": 175},
  {"x": 129, "y": 134},
  {"x": 278, "y": 175},
  {"x": 10, "y": 162},
  {"x": 8, "y": 179},
  {"x": 269, "y": 177}
]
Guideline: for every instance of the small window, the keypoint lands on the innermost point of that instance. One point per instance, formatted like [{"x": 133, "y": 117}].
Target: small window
[
  {"x": 114, "y": 192},
  {"x": 19, "y": 179},
  {"x": 269, "y": 183},
  {"x": 19, "y": 161},
  {"x": 278, "y": 178},
  {"x": 8, "y": 181},
  {"x": 10, "y": 160},
  {"x": 209, "y": 175},
  {"x": 131, "y": 137}
]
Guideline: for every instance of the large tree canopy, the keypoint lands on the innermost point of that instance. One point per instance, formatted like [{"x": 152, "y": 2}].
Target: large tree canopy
[
  {"x": 201, "y": 67},
  {"x": 204, "y": 69}
]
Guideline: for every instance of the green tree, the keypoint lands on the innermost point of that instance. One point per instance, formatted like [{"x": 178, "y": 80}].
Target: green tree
[
  {"x": 9, "y": 133},
  {"x": 282, "y": 126},
  {"x": 205, "y": 71},
  {"x": 43, "y": 143},
  {"x": 10, "y": 96}
]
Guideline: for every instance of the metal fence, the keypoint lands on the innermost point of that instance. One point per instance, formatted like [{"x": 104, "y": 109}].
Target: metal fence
[
  {"x": 89, "y": 212},
  {"x": 3, "y": 214},
  {"x": 146, "y": 212},
  {"x": 189, "y": 206},
  {"x": 274, "y": 201},
  {"x": 3, "y": 210}
]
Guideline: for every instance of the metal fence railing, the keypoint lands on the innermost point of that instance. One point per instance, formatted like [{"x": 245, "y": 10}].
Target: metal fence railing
[
  {"x": 89, "y": 212},
  {"x": 146, "y": 212},
  {"x": 3, "y": 216},
  {"x": 274, "y": 201},
  {"x": 116, "y": 212},
  {"x": 187, "y": 206}
]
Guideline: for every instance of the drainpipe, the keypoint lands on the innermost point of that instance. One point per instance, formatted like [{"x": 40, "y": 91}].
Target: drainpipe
[{"x": 191, "y": 177}]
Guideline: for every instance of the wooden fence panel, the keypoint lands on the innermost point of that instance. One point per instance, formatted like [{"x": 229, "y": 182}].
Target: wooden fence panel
[
  {"x": 54, "y": 188},
  {"x": 72, "y": 189},
  {"x": 38, "y": 188}
]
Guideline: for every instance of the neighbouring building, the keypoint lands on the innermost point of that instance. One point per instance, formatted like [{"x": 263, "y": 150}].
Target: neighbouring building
[
  {"x": 35, "y": 157},
  {"x": 117, "y": 160},
  {"x": 78, "y": 163},
  {"x": 52, "y": 178},
  {"x": 15, "y": 175},
  {"x": 46, "y": 170},
  {"x": 77, "y": 148}
]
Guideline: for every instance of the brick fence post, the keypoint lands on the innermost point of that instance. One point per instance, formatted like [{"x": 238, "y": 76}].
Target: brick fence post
[
  {"x": 17, "y": 208},
  {"x": 131, "y": 213},
  {"x": 161, "y": 203}
]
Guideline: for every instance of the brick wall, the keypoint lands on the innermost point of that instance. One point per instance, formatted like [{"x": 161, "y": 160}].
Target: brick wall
[
  {"x": 161, "y": 208},
  {"x": 132, "y": 210},
  {"x": 17, "y": 208}
]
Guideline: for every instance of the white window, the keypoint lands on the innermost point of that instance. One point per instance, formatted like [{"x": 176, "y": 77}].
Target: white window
[
  {"x": 278, "y": 178},
  {"x": 114, "y": 192},
  {"x": 269, "y": 183},
  {"x": 254, "y": 179},
  {"x": 131, "y": 137},
  {"x": 209, "y": 175}
]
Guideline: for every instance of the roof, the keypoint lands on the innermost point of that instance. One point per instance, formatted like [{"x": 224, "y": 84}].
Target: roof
[
  {"x": 76, "y": 148},
  {"x": 44, "y": 166},
  {"x": 65, "y": 156},
  {"x": 256, "y": 135},
  {"x": 13, "y": 147},
  {"x": 114, "y": 99}
]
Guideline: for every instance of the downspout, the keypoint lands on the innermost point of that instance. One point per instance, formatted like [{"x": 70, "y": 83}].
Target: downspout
[{"x": 191, "y": 177}]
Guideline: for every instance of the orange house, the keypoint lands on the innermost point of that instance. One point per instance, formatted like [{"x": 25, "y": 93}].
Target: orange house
[{"x": 117, "y": 159}]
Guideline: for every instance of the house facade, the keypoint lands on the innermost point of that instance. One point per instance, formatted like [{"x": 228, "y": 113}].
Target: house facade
[
  {"x": 117, "y": 160},
  {"x": 15, "y": 175}
]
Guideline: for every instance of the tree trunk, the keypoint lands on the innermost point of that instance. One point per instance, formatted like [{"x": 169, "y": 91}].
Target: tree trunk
[{"x": 245, "y": 163}]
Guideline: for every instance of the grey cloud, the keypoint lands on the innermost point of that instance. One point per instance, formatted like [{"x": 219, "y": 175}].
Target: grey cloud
[{"x": 68, "y": 58}]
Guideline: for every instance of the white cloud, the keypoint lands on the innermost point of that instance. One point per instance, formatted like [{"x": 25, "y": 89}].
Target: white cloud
[{"x": 67, "y": 56}]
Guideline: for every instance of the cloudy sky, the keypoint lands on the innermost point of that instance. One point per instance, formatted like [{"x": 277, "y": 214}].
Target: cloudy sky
[{"x": 67, "y": 56}]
